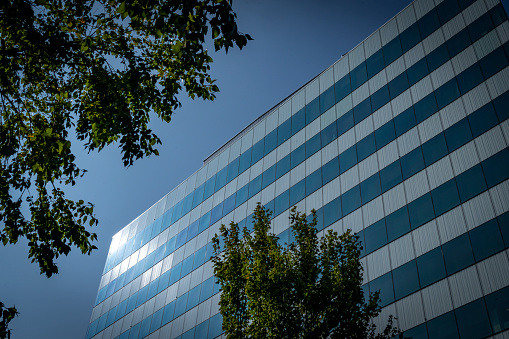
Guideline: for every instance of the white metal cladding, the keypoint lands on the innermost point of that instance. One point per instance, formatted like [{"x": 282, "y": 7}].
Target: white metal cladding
[
  {"x": 346, "y": 141},
  {"x": 426, "y": 238},
  {"x": 408, "y": 142},
  {"x": 433, "y": 41},
  {"x": 331, "y": 191},
  {"x": 474, "y": 11},
  {"x": 421, "y": 89},
  {"x": 395, "y": 69},
  {"x": 498, "y": 83},
  {"x": 505, "y": 130},
  {"x": 356, "y": 56},
  {"x": 364, "y": 128},
  {"x": 389, "y": 31},
  {"x": 297, "y": 174},
  {"x": 360, "y": 94},
  {"x": 344, "y": 106},
  {"x": 451, "y": 224},
  {"x": 401, "y": 250},
  {"x": 341, "y": 68},
  {"x": 388, "y": 154},
  {"x": 353, "y": 221},
  {"x": 378, "y": 263},
  {"x": 372, "y": 44},
  {"x": 422, "y": 7},
  {"x": 401, "y": 102},
  {"x": 500, "y": 197},
  {"x": 394, "y": 199},
  {"x": 487, "y": 44},
  {"x": 328, "y": 117},
  {"x": 414, "y": 55},
  {"x": 350, "y": 178},
  {"x": 312, "y": 129},
  {"x": 478, "y": 210},
  {"x": 329, "y": 152},
  {"x": 406, "y": 18},
  {"x": 490, "y": 143},
  {"x": 312, "y": 90},
  {"x": 259, "y": 131},
  {"x": 326, "y": 79},
  {"x": 430, "y": 128},
  {"x": 464, "y": 158},
  {"x": 464, "y": 60},
  {"x": 368, "y": 167},
  {"x": 377, "y": 82},
  {"x": 416, "y": 186},
  {"x": 410, "y": 311},
  {"x": 313, "y": 163},
  {"x": 465, "y": 286},
  {"x": 381, "y": 116},
  {"x": 452, "y": 27},
  {"x": 298, "y": 101},
  {"x": 283, "y": 150},
  {"x": 494, "y": 272},
  {"x": 503, "y": 31},
  {"x": 436, "y": 299},
  {"x": 381, "y": 320},
  {"x": 373, "y": 211},
  {"x": 442, "y": 74},
  {"x": 285, "y": 111}
]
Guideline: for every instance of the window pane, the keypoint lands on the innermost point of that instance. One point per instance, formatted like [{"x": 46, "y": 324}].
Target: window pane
[
  {"x": 443, "y": 327},
  {"x": 330, "y": 170},
  {"x": 313, "y": 181},
  {"x": 421, "y": 211},
  {"x": 332, "y": 212},
  {"x": 482, "y": 120},
  {"x": 347, "y": 159},
  {"x": 496, "y": 168},
  {"x": 313, "y": 145},
  {"x": 418, "y": 332},
  {"x": 447, "y": 93},
  {"x": 380, "y": 98},
  {"x": 473, "y": 320},
  {"x": 480, "y": 27},
  {"x": 445, "y": 197},
  {"x": 410, "y": 37},
  {"x": 501, "y": 104},
  {"x": 470, "y": 183},
  {"x": 362, "y": 110},
  {"x": 327, "y": 99},
  {"x": 405, "y": 121},
  {"x": 375, "y": 63},
  {"x": 345, "y": 122},
  {"x": 366, "y": 147},
  {"x": 257, "y": 152},
  {"x": 284, "y": 131},
  {"x": 269, "y": 176},
  {"x": 351, "y": 200},
  {"x": 428, "y": 23},
  {"x": 434, "y": 149},
  {"x": 298, "y": 121},
  {"x": 458, "y": 134},
  {"x": 497, "y": 308},
  {"x": 298, "y": 155},
  {"x": 425, "y": 108},
  {"x": 270, "y": 142},
  {"x": 375, "y": 236},
  {"x": 447, "y": 10},
  {"x": 384, "y": 285},
  {"x": 458, "y": 254},
  {"x": 418, "y": 71},
  {"x": 390, "y": 176},
  {"x": 233, "y": 169},
  {"x": 412, "y": 163},
  {"x": 358, "y": 76},
  {"x": 245, "y": 161},
  {"x": 470, "y": 78},
  {"x": 486, "y": 240},
  {"x": 297, "y": 192},
  {"x": 398, "y": 223},
  {"x": 370, "y": 188},
  {"x": 342, "y": 88},
  {"x": 398, "y": 85},
  {"x": 283, "y": 166},
  {"x": 282, "y": 202},
  {"x": 392, "y": 50},
  {"x": 328, "y": 134},
  {"x": 458, "y": 42},
  {"x": 431, "y": 267},
  {"x": 385, "y": 134},
  {"x": 242, "y": 195},
  {"x": 503, "y": 222},
  {"x": 437, "y": 58}
]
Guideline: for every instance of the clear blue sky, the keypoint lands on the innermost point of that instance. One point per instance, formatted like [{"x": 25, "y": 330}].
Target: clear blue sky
[{"x": 294, "y": 41}]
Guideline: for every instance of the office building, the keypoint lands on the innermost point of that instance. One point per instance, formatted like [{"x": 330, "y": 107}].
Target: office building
[{"x": 404, "y": 140}]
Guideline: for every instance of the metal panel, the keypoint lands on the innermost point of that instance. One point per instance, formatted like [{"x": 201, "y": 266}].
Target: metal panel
[
  {"x": 177, "y": 326},
  {"x": 499, "y": 83},
  {"x": 246, "y": 142},
  {"x": 422, "y": 7},
  {"x": 474, "y": 11},
  {"x": 381, "y": 116},
  {"x": 364, "y": 128},
  {"x": 346, "y": 140},
  {"x": 341, "y": 68},
  {"x": 360, "y": 94},
  {"x": 251, "y": 203},
  {"x": 452, "y": 113},
  {"x": 297, "y": 174},
  {"x": 378, "y": 263},
  {"x": 414, "y": 55},
  {"x": 478, "y": 210},
  {"x": 283, "y": 150},
  {"x": 476, "y": 98},
  {"x": 331, "y": 191},
  {"x": 401, "y": 250},
  {"x": 490, "y": 143},
  {"x": 298, "y": 139},
  {"x": 416, "y": 186},
  {"x": 394, "y": 199},
  {"x": 349, "y": 179},
  {"x": 452, "y": 27},
  {"x": 234, "y": 153},
  {"x": 406, "y": 18},
  {"x": 204, "y": 311},
  {"x": 486, "y": 44},
  {"x": 312, "y": 129},
  {"x": 364, "y": 270},
  {"x": 451, "y": 224},
  {"x": 381, "y": 320},
  {"x": 389, "y": 31},
  {"x": 430, "y": 128},
  {"x": 373, "y": 211},
  {"x": 408, "y": 141},
  {"x": 388, "y": 154},
  {"x": 503, "y": 32},
  {"x": 329, "y": 152},
  {"x": 464, "y": 60},
  {"x": 443, "y": 74},
  {"x": 401, "y": 102},
  {"x": 282, "y": 184},
  {"x": 353, "y": 221},
  {"x": 259, "y": 131},
  {"x": 426, "y": 238},
  {"x": 196, "y": 277},
  {"x": 328, "y": 117},
  {"x": 344, "y": 105},
  {"x": 326, "y": 79},
  {"x": 395, "y": 69},
  {"x": 491, "y": 3},
  {"x": 433, "y": 41},
  {"x": 313, "y": 163},
  {"x": 280, "y": 223},
  {"x": 377, "y": 82},
  {"x": 500, "y": 197},
  {"x": 208, "y": 270},
  {"x": 314, "y": 201},
  {"x": 410, "y": 311},
  {"x": 312, "y": 90},
  {"x": 269, "y": 160},
  {"x": 465, "y": 286},
  {"x": 285, "y": 111},
  {"x": 372, "y": 44},
  {"x": 298, "y": 101},
  {"x": 494, "y": 272},
  {"x": 421, "y": 89},
  {"x": 436, "y": 299},
  {"x": 368, "y": 167},
  {"x": 505, "y": 130},
  {"x": 356, "y": 56},
  {"x": 272, "y": 122},
  {"x": 464, "y": 158},
  {"x": 268, "y": 193}
]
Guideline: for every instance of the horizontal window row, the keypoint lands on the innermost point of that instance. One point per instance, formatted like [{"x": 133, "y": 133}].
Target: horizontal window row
[{"x": 462, "y": 83}]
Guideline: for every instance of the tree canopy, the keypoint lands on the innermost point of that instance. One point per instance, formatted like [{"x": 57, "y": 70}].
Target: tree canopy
[
  {"x": 310, "y": 288},
  {"x": 95, "y": 71}
]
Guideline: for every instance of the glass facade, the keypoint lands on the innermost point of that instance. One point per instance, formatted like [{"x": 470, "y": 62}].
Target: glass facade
[{"x": 404, "y": 140}]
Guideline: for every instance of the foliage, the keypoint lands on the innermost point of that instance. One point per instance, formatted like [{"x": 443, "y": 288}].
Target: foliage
[
  {"x": 310, "y": 288},
  {"x": 95, "y": 70},
  {"x": 6, "y": 315}
]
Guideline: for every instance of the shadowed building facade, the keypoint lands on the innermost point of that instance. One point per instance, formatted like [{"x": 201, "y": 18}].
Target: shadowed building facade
[{"x": 404, "y": 140}]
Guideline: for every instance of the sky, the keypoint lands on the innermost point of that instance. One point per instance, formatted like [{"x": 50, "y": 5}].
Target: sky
[{"x": 293, "y": 42}]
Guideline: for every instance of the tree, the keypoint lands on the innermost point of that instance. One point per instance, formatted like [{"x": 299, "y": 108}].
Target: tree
[
  {"x": 95, "y": 71},
  {"x": 310, "y": 288}
]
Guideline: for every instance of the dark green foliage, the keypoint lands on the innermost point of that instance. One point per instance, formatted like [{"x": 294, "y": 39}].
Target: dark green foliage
[
  {"x": 6, "y": 315},
  {"x": 310, "y": 288}
]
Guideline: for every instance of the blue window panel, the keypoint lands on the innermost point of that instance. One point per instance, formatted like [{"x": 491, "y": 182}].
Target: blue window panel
[
  {"x": 233, "y": 169},
  {"x": 370, "y": 188},
  {"x": 406, "y": 280},
  {"x": 330, "y": 170},
  {"x": 469, "y": 78},
  {"x": 157, "y": 319},
  {"x": 498, "y": 14},
  {"x": 142, "y": 296},
  {"x": 220, "y": 179},
  {"x": 313, "y": 181},
  {"x": 458, "y": 135},
  {"x": 497, "y": 308},
  {"x": 502, "y": 106},
  {"x": 152, "y": 289},
  {"x": 437, "y": 58},
  {"x": 447, "y": 10},
  {"x": 168, "y": 312},
  {"x": 417, "y": 71},
  {"x": 284, "y": 131},
  {"x": 358, "y": 76},
  {"x": 298, "y": 120},
  {"x": 135, "y": 331},
  {"x": 121, "y": 309},
  {"x": 428, "y": 23},
  {"x": 297, "y": 192},
  {"x": 375, "y": 63},
  {"x": 480, "y": 27},
  {"x": 412, "y": 163},
  {"x": 217, "y": 213},
  {"x": 417, "y": 332},
  {"x": 362, "y": 110},
  {"x": 284, "y": 237},
  {"x": 181, "y": 305},
  {"x": 465, "y": 3},
  {"x": 503, "y": 222},
  {"x": 366, "y": 147},
  {"x": 347, "y": 159},
  {"x": 283, "y": 166},
  {"x": 332, "y": 212},
  {"x": 482, "y": 120},
  {"x": 425, "y": 108},
  {"x": 470, "y": 183},
  {"x": 385, "y": 286},
  {"x": 181, "y": 238},
  {"x": 380, "y": 98},
  {"x": 145, "y": 326},
  {"x": 434, "y": 149},
  {"x": 345, "y": 122},
  {"x": 92, "y": 329},
  {"x": 329, "y": 134},
  {"x": 229, "y": 204},
  {"x": 102, "y": 322},
  {"x": 342, "y": 88},
  {"x": 312, "y": 110},
  {"x": 111, "y": 316},
  {"x": 204, "y": 222},
  {"x": 313, "y": 145},
  {"x": 410, "y": 37},
  {"x": 398, "y": 223},
  {"x": 390, "y": 176},
  {"x": 351, "y": 200},
  {"x": 327, "y": 99},
  {"x": 192, "y": 231},
  {"x": 473, "y": 321},
  {"x": 486, "y": 240},
  {"x": 493, "y": 63},
  {"x": 201, "y": 329},
  {"x": 298, "y": 155},
  {"x": 405, "y": 121},
  {"x": 431, "y": 267},
  {"x": 270, "y": 206},
  {"x": 420, "y": 211},
  {"x": 175, "y": 273},
  {"x": 255, "y": 186},
  {"x": 282, "y": 202},
  {"x": 445, "y": 197},
  {"x": 392, "y": 50},
  {"x": 443, "y": 327},
  {"x": 268, "y": 176},
  {"x": 188, "y": 335},
  {"x": 131, "y": 304},
  {"x": 245, "y": 161},
  {"x": 319, "y": 219},
  {"x": 242, "y": 195},
  {"x": 257, "y": 151},
  {"x": 164, "y": 279},
  {"x": 398, "y": 85},
  {"x": 200, "y": 257},
  {"x": 207, "y": 289},
  {"x": 458, "y": 42},
  {"x": 270, "y": 142},
  {"x": 447, "y": 93},
  {"x": 194, "y": 297},
  {"x": 187, "y": 265},
  {"x": 209, "y": 188},
  {"x": 458, "y": 254},
  {"x": 375, "y": 236},
  {"x": 215, "y": 324}
]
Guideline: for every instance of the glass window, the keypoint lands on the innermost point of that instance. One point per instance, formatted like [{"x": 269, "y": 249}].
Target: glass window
[
  {"x": 370, "y": 188},
  {"x": 187, "y": 335},
  {"x": 200, "y": 257},
  {"x": 358, "y": 76},
  {"x": 458, "y": 254},
  {"x": 215, "y": 324},
  {"x": 385, "y": 134},
  {"x": 207, "y": 288},
  {"x": 493, "y": 62},
  {"x": 470, "y": 78},
  {"x": 351, "y": 200},
  {"x": 135, "y": 331},
  {"x": 375, "y": 63},
  {"x": 312, "y": 110},
  {"x": 380, "y": 98},
  {"x": 205, "y": 221},
  {"x": 216, "y": 214},
  {"x": 192, "y": 231},
  {"x": 330, "y": 170},
  {"x": 417, "y": 71},
  {"x": 233, "y": 169},
  {"x": 313, "y": 181},
  {"x": 392, "y": 50},
  {"x": 257, "y": 152},
  {"x": 480, "y": 27},
  {"x": 181, "y": 238},
  {"x": 362, "y": 110},
  {"x": 496, "y": 168},
  {"x": 342, "y": 88},
  {"x": 390, "y": 176},
  {"x": 404, "y": 121},
  {"x": 297, "y": 192},
  {"x": 431, "y": 267},
  {"x": 332, "y": 212},
  {"x": 347, "y": 159},
  {"x": 434, "y": 149},
  {"x": 447, "y": 93},
  {"x": 470, "y": 183},
  {"x": 157, "y": 319},
  {"x": 406, "y": 280},
  {"x": 425, "y": 108},
  {"x": 458, "y": 134},
  {"x": 313, "y": 145},
  {"x": 482, "y": 120},
  {"x": 329, "y": 134},
  {"x": 486, "y": 240},
  {"x": 298, "y": 155},
  {"x": 503, "y": 221},
  {"x": 284, "y": 131},
  {"x": 283, "y": 166},
  {"x": 398, "y": 223},
  {"x": 145, "y": 327},
  {"x": 366, "y": 147},
  {"x": 437, "y": 58},
  {"x": 345, "y": 122},
  {"x": 465, "y": 3},
  {"x": 269, "y": 176},
  {"x": 497, "y": 308},
  {"x": 417, "y": 332},
  {"x": 473, "y": 320},
  {"x": 194, "y": 297},
  {"x": 375, "y": 236},
  {"x": 447, "y": 10},
  {"x": 187, "y": 204},
  {"x": 398, "y": 85},
  {"x": 458, "y": 42},
  {"x": 428, "y": 23},
  {"x": 412, "y": 163},
  {"x": 282, "y": 202},
  {"x": 420, "y": 211},
  {"x": 298, "y": 120},
  {"x": 245, "y": 161},
  {"x": 187, "y": 265},
  {"x": 410, "y": 37},
  {"x": 180, "y": 305},
  {"x": 498, "y": 14},
  {"x": 270, "y": 142},
  {"x": 445, "y": 197},
  {"x": 385, "y": 286},
  {"x": 443, "y": 327},
  {"x": 327, "y": 99}
]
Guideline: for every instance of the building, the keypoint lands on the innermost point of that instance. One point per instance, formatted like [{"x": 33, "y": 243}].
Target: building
[{"x": 404, "y": 140}]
